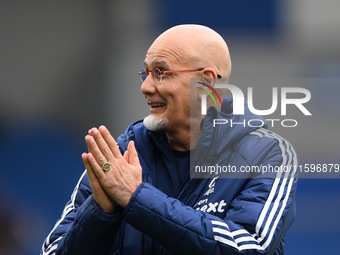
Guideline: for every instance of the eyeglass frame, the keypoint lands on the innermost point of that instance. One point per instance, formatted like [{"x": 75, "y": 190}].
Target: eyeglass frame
[{"x": 144, "y": 71}]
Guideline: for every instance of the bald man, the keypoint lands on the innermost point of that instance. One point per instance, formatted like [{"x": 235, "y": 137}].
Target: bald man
[{"x": 137, "y": 196}]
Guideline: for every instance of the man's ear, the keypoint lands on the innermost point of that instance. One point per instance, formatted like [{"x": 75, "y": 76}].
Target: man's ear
[{"x": 209, "y": 76}]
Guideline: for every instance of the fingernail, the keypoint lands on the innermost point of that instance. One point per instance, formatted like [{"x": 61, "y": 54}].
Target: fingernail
[
  {"x": 89, "y": 138},
  {"x": 102, "y": 128}
]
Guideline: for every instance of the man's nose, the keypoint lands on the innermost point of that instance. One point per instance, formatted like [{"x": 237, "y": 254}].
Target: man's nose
[{"x": 148, "y": 86}]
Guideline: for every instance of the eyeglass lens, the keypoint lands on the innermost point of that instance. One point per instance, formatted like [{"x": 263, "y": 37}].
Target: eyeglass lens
[{"x": 156, "y": 74}]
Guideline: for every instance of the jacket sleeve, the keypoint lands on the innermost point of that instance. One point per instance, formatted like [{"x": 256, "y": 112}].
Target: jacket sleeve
[
  {"x": 255, "y": 222},
  {"x": 83, "y": 228}
]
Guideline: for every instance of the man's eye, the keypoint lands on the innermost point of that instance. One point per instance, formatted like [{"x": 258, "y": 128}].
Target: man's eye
[{"x": 158, "y": 72}]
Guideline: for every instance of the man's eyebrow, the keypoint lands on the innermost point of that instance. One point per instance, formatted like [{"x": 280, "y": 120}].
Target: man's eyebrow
[{"x": 158, "y": 63}]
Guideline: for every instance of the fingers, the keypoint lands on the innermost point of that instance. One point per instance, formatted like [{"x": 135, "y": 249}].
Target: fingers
[
  {"x": 86, "y": 163},
  {"x": 126, "y": 156},
  {"x": 102, "y": 144},
  {"x": 132, "y": 154},
  {"x": 94, "y": 169},
  {"x": 95, "y": 152},
  {"x": 112, "y": 144},
  {"x": 89, "y": 169}
]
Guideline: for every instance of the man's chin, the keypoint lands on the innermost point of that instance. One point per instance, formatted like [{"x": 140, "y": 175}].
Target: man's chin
[{"x": 153, "y": 123}]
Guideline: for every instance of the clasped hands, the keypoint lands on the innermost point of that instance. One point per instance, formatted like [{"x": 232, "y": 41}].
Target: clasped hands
[{"x": 111, "y": 189}]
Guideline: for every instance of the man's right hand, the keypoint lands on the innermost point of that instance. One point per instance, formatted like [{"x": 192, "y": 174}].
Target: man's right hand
[{"x": 99, "y": 195}]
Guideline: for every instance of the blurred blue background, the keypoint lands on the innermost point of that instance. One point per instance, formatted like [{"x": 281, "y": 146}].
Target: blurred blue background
[{"x": 67, "y": 66}]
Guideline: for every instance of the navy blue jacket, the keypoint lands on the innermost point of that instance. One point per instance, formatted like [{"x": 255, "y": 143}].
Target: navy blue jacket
[{"x": 213, "y": 215}]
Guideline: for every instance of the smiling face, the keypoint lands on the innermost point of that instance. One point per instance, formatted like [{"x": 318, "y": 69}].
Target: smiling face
[
  {"x": 169, "y": 99},
  {"x": 183, "y": 47}
]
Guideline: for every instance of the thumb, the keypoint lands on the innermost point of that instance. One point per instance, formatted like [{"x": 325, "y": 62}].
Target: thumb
[
  {"x": 132, "y": 154},
  {"x": 126, "y": 156}
]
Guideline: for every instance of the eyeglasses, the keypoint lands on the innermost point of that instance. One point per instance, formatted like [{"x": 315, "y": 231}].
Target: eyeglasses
[{"x": 158, "y": 74}]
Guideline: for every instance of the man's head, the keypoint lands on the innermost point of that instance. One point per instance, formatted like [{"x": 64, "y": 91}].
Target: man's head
[{"x": 185, "y": 47}]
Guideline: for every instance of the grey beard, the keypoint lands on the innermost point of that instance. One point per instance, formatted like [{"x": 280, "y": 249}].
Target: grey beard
[{"x": 155, "y": 124}]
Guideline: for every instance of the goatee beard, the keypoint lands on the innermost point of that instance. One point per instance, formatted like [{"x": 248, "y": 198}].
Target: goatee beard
[{"x": 153, "y": 123}]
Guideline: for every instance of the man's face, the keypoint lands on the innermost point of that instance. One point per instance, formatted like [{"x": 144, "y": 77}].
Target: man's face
[{"x": 170, "y": 98}]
